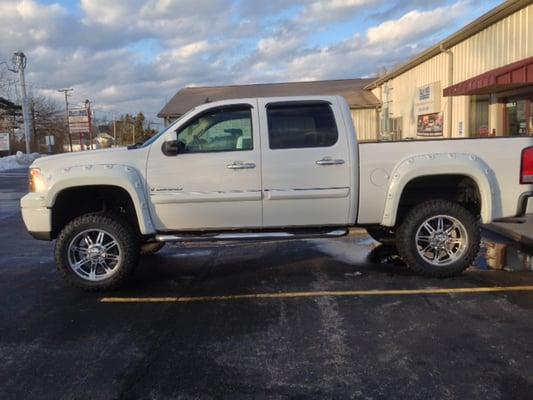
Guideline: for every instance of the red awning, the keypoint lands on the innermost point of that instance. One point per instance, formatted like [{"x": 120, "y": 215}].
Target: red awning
[{"x": 510, "y": 76}]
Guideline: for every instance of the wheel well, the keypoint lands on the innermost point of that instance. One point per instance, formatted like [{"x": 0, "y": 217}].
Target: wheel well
[
  {"x": 460, "y": 189},
  {"x": 73, "y": 202}
]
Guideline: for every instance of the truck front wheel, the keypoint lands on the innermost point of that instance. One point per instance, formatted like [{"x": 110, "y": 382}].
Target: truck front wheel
[
  {"x": 438, "y": 239},
  {"x": 97, "y": 251}
]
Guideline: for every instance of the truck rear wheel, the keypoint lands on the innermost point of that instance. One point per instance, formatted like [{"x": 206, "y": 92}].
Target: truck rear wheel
[
  {"x": 97, "y": 252},
  {"x": 438, "y": 239}
]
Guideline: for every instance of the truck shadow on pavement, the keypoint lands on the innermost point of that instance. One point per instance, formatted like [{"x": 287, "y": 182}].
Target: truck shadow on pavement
[
  {"x": 287, "y": 266},
  {"x": 248, "y": 267}
]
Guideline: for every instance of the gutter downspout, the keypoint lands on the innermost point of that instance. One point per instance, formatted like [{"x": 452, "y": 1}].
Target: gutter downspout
[{"x": 449, "y": 105}]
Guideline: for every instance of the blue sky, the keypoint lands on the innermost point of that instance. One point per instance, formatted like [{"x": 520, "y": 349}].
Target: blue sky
[{"x": 133, "y": 55}]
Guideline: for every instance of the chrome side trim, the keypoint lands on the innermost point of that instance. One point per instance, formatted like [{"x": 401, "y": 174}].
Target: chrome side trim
[
  {"x": 311, "y": 193},
  {"x": 248, "y": 236},
  {"x": 200, "y": 197}
]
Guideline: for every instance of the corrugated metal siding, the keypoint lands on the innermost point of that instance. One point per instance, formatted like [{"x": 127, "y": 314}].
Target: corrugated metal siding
[
  {"x": 364, "y": 121},
  {"x": 504, "y": 42},
  {"x": 402, "y": 91}
]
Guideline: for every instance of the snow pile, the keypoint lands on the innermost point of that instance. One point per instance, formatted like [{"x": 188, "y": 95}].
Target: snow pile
[{"x": 19, "y": 160}]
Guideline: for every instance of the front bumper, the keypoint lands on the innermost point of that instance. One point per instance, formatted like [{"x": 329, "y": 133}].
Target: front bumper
[{"x": 36, "y": 216}]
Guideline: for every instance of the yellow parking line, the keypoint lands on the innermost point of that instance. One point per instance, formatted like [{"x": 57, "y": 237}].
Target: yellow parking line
[{"x": 287, "y": 295}]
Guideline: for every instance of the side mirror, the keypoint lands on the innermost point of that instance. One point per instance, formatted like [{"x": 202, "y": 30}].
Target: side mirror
[{"x": 170, "y": 148}]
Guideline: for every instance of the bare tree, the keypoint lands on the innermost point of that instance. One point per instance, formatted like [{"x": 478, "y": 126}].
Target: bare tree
[{"x": 48, "y": 120}]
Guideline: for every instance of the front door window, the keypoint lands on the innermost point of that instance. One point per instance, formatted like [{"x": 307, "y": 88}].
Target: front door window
[{"x": 227, "y": 129}]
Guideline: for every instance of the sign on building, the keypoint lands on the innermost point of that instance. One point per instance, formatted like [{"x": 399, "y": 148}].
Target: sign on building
[
  {"x": 50, "y": 140},
  {"x": 427, "y": 99},
  {"x": 78, "y": 120},
  {"x": 4, "y": 141},
  {"x": 429, "y": 118},
  {"x": 429, "y": 125}
]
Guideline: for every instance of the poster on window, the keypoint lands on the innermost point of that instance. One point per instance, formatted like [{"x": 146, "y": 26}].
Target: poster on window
[{"x": 430, "y": 125}]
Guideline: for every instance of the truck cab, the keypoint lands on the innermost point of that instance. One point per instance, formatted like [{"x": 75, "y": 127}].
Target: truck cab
[{"x": 258, "y": 163}]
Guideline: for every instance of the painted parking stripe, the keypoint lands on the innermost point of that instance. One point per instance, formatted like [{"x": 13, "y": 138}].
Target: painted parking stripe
[{"x": 288, "y": 295}]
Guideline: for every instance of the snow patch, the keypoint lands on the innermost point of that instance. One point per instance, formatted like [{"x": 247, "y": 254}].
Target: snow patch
[{"x": 19, "y": 160}]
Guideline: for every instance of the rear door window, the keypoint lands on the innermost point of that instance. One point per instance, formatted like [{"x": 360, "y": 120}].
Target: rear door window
[{"x": 293, "y": 126}]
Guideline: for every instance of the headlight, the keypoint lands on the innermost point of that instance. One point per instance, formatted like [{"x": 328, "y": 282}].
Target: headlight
[{"x": 36, "y": 181}]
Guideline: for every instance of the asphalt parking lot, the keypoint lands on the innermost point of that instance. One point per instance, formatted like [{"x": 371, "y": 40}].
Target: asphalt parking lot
[{"x": 305, "y": 328}]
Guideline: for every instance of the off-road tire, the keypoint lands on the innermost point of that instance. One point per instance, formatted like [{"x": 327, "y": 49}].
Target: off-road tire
[
  {"x": 125, "y": 235},
  {"x": 382, "y": 235},
  {"x": 148, "y": 249},
  {"x": 406, "y": 238}
]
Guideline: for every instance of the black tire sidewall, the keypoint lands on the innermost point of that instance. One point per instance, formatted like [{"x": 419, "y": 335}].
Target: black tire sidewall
[
  {"x": 123, "y": 233},
  {"x": 406, "y": 234}
]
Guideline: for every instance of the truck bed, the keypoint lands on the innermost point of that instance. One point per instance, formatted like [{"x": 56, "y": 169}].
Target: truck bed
[{"x": 501, "y": 155}]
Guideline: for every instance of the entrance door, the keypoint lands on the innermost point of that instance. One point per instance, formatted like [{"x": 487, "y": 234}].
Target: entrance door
[
  {"x": 518, "y": 116},
  {"x": 306, "y": 164},
  {"x": 214, "y": 182}
]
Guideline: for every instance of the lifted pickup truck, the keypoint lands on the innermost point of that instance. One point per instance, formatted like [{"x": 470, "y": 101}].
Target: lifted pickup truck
[{"x": 273, "y": 168}]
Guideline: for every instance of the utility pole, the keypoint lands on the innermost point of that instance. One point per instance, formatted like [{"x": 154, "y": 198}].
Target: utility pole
[
  {"x": 88, "y": 108},
  {"x": 19, "y": 59},
  {"x": 65, "y": 91},
  {"x": 115, "y": 128},
  {"x": 133, "y": 130}
]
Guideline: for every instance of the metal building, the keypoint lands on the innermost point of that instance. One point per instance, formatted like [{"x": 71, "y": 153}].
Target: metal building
[{"x": 477, "y": 82}]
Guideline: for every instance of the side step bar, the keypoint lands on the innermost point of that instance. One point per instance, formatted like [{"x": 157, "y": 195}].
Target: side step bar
[{"x": 257, "y": 235}]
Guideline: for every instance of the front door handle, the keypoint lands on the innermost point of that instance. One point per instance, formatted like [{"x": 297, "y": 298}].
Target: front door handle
[
  {"x": 240, "y": 165},
  {"x": 329, "y": 161}
]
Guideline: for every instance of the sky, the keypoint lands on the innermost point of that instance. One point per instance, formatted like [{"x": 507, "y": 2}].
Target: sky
[{"x": 134, "y": 55}]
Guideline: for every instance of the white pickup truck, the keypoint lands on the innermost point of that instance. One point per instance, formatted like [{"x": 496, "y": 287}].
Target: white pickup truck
[{"x": 273, "y": 168}]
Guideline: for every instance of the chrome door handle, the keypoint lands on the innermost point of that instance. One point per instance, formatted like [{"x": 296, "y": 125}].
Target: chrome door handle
[
  {"x": 329, "y": 161},
  {"x": 240, "y": 165}
]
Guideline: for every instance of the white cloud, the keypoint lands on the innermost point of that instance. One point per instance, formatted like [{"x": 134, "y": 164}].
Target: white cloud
[
  {"x": 110, "y": 12},
  {"x": 132, "y": 55},
  {"x": 414, "y": 25},
  {"x": 334, "y": 10}
]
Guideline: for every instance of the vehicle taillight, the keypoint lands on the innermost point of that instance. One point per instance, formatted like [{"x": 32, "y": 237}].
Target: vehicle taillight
[{"x": 526, "y": 169}]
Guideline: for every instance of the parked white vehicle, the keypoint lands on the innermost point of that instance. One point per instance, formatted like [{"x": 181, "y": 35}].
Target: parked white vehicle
[{"x": 273, "y": 168}]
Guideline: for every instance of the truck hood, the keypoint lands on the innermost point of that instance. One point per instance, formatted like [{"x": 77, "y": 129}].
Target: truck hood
[{"x": 123, "y": 156}]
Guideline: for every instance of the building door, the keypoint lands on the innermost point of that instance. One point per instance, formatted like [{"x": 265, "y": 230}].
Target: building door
[{"x": 518, "y": 116}]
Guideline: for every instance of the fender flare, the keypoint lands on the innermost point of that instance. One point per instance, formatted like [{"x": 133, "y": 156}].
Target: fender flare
[
  {"x": 432, "y": 164},
  {"x": 122, "y": 176}
]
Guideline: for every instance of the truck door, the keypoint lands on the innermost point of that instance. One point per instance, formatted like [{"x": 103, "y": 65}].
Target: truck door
[
  {"x": 214, "y": 181},
  {"x": 306, "y": 163}
]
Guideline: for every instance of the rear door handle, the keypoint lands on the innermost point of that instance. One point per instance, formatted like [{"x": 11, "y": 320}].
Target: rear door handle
[
  {"x": 240, "y": 165},
  {"x": 329, "y": 161}
]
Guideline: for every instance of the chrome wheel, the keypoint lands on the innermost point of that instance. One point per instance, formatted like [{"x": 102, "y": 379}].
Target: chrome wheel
[
  {"x": 441, "y": 240},
  {"x": 94, "y": 255}
]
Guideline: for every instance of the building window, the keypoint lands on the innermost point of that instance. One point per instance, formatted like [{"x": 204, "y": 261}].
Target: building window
[
  {"x": 518, "y": 116},
  {"x": 479, "y": 116}
]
